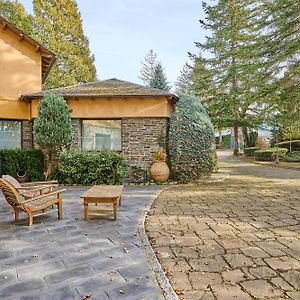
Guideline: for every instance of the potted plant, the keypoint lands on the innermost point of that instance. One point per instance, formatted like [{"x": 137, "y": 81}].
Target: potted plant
[{"x": 159, "y": 170}]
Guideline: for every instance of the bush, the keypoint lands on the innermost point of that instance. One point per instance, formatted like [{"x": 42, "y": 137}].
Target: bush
[
  {"x": 191, "y": 140},
  {"x": 269, "y": 154},
  {"x": 295, "y": 145},
  {"x": 83, "y": 167},
  {"x": 250, "y": 151},
  {"x": 12, "y": 161},
  {"x": 292, "y": 157}
]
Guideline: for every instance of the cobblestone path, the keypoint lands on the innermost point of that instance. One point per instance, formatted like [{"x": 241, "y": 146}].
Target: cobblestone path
[{"x": 236, "y": 239}]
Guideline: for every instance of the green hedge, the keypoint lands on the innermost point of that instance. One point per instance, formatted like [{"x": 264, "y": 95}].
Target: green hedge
[
  {"x": 295, "y": 145},
  {"x": 269, "y": 154},
  {"x": 12, "y": 161},
  {"x": 292, "y": 156},
  {"x": 250, "y": 151},
  {"x": 84, "y": 167}
]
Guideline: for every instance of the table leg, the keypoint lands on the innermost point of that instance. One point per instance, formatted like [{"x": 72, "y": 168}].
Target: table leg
[
  {"x": 115, "y": 206},
  {"x": 120, "y": 199},
  {"x": 85, "y": 211}
]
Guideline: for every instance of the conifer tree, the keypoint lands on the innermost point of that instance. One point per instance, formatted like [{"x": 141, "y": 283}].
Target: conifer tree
[
  {"x": 184, "y": 80},
  {"x": 53, "y": 127},
  {"x": 159, "y": 79},
  {"x": 14, "y": 12},
  {"x": 235, "y": 69},
  {"x": 148, "y": 67},
  {"x": 58, "y": 26}
]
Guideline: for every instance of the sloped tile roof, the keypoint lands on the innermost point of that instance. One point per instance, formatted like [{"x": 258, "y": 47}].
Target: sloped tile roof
[{"x": 105, "y": 88}]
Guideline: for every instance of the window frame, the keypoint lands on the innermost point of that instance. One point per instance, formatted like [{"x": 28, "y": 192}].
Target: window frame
[{"x": 101, "y": 119}]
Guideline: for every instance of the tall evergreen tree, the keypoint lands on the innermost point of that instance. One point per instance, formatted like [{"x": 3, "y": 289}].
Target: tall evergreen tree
[
  {"x": 282, "y": 51},
  {"x": 184, "y": 80},
  {"x": 148, "y": 67},
  {"x": 14, "y": 12},
  {"x": 233, "y": 64},
  {"x": 159, "y": 79},
  {"x": 58, "y": 26}
]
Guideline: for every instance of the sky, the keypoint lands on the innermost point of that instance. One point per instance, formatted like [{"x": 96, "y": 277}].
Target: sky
[{"x": 121, "y": 32}]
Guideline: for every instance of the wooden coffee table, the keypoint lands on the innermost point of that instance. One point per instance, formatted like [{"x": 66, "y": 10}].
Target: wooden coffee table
[{"x": 102, "y": 194}]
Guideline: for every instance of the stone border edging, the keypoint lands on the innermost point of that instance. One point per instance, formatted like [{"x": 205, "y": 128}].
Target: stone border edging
[{"x": 160, "y": 276}]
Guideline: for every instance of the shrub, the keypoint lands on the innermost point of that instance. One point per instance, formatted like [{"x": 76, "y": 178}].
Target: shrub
[
  {"x": 138, "y": 173},
  {"x": 85, "y": 167},
  {"x": 250, "y": 151},
  {"x": 292, "y": 157},
  {"x": 12, "y": 161},
  {"x": 294, "y": 145},
  {"x": 191, "y": 140},
  {"x": 53, "y": 127},
  {"x": 269, "y": 154}
]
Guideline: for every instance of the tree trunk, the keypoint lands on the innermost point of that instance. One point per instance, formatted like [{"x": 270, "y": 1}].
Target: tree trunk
[
  {"x": 236, "y": 150},
  {"x": 246, "y": 137}
]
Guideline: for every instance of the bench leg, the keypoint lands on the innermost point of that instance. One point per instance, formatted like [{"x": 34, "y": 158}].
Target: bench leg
[
  {"x": 85, "y": 211},
  {"x": 115, "y": 206}
]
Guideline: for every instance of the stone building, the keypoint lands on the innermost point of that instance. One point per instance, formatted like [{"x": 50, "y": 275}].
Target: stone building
[{"x": 110, "y": 114}]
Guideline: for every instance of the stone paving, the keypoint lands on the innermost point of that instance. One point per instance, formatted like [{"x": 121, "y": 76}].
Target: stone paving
[
  {"x": 72, "y": 259},
  {"x": 235, "y": 239}
]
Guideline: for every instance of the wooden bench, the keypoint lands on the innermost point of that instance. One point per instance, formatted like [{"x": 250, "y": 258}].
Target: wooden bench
[{"x": 102, "y": 194}]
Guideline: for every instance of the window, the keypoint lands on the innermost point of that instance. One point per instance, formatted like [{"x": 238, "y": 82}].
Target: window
[
  {"x": 10, "y": 134},
  {"x": 101, "y": 134}
]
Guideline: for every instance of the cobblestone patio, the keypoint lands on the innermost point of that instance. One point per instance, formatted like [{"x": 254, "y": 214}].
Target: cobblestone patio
[
  {"x": 72, "y": 259},
  {"x": 236, "y": 239}
]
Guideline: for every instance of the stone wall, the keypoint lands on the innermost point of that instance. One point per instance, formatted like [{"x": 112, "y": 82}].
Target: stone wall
[
  {"x": 27, "y": 137},
  {"x": 76, "y": 124},
  {"x": 140, "y": 138}
]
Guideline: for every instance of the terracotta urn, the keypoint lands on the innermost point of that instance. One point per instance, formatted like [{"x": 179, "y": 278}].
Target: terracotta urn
[{"x": 159, "y": 171}]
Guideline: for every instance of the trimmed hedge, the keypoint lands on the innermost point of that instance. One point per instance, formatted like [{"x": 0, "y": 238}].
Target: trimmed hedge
[
  {"x": 269, "y": 154},
  {"x": 286, "y": 144},
  {"x": 84, "y": 167},
  {"x": 12, "y": 161},
  {"x": 292, "y": 156},
  {"x": 250, "y": 151}
]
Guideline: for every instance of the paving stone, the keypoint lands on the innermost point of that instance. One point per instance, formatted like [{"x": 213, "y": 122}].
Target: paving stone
[
  {"x": 68, "y": 274},
  {"x": 238, "y": 260},
  {"x": 201, "y": 280},
  {"x": 293, "y": 278},
  {"x": 233, "y": 276},
  {"x": 229, "y": 292},
  {"x": 180, "y": 281},
  {"x": 255, "y": 252},
  {"x": 283, "y": 263},
  {"x": 262, "y": 272},
  {"x": 135, "y": 290},
  {"x": 281, "y": 284},
  {"x": 39, "y": 270},
  {"x": 294, "y": 295},
  {"x": 21, "y": 287},
  {"x": 261, "y": 289},
  {"x": 216, "y": 264}
]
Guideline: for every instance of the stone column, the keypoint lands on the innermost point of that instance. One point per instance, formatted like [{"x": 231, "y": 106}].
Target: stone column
[
  {"x": 27, "y": 138},
  {"x": 76, "y": 124}
]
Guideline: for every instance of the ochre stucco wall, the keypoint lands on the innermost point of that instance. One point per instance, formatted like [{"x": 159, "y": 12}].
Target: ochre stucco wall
[
  {"x": 20, "y": 73},
  {"x": 97, "y": 108}
]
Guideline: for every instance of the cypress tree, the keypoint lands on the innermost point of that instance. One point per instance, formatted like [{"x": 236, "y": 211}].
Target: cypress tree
[
  {"x": 58, "y": 26},
  {"x": 14, "y": 12},
  {"x": 159, "y": 79}
]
